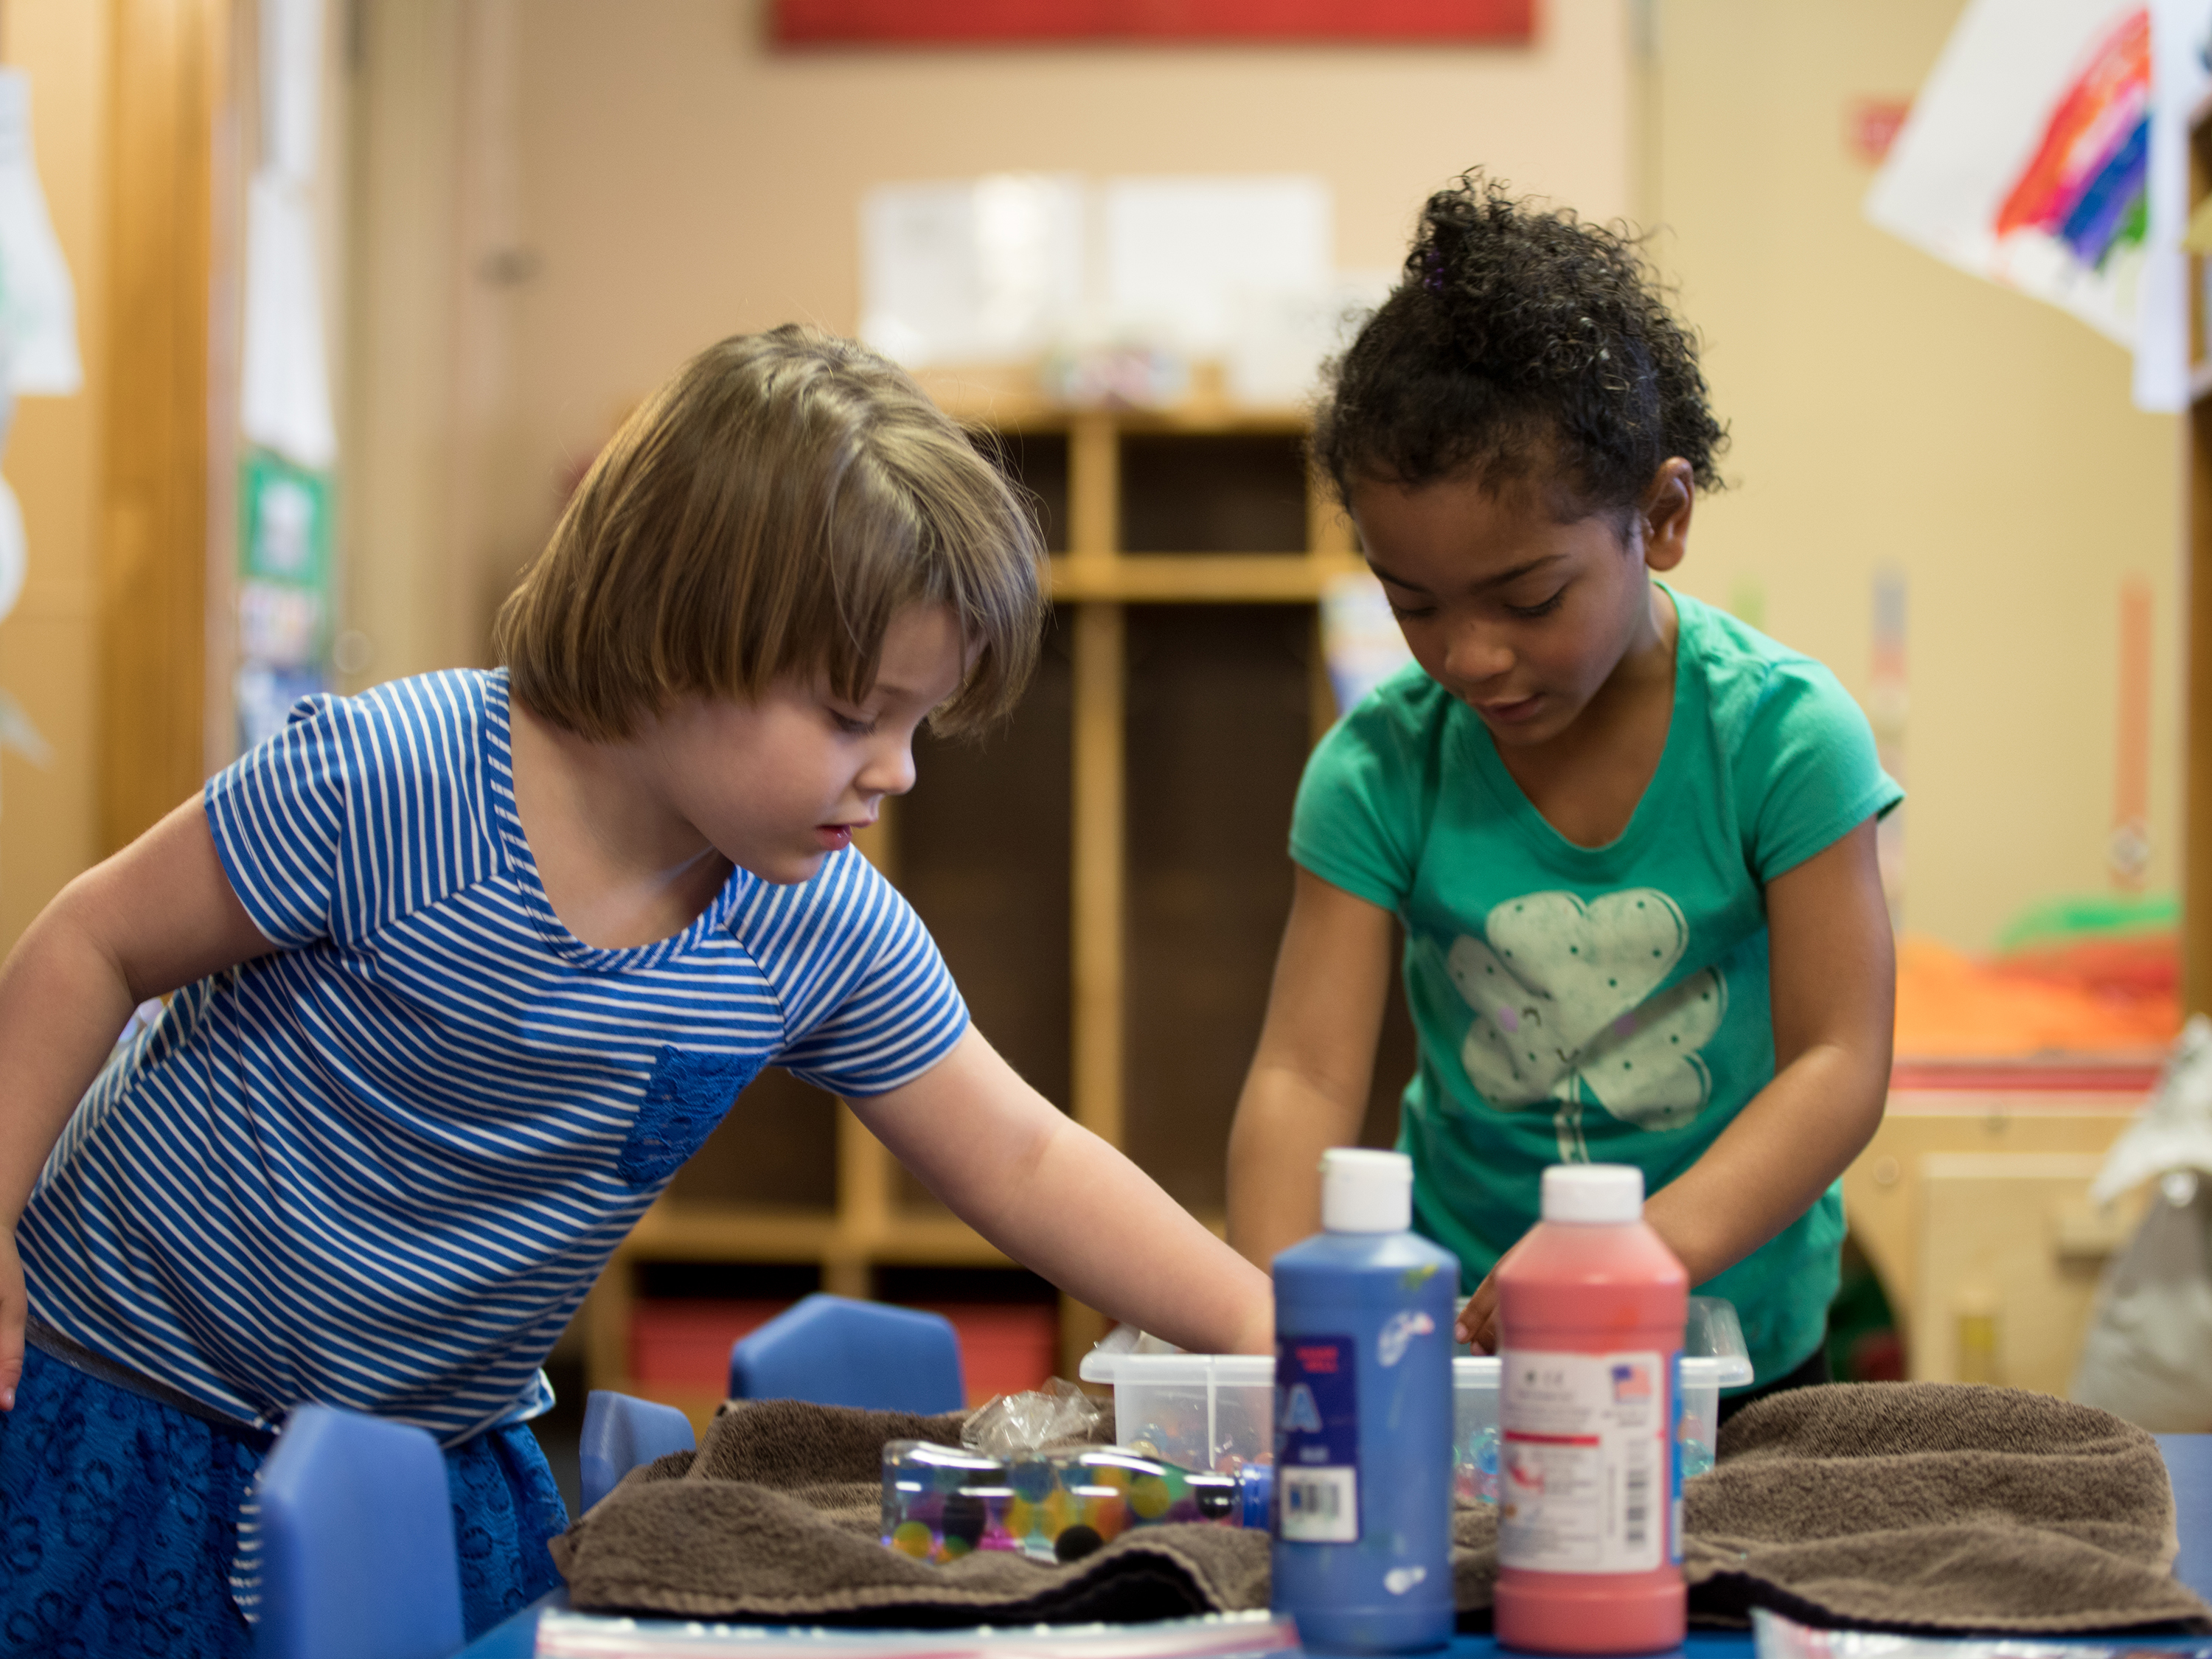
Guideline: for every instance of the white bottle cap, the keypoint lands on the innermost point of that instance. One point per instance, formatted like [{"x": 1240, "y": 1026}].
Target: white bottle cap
[
  {"x": 1598, "y": 1193},
  {"x": 1364, "y": 1191}
]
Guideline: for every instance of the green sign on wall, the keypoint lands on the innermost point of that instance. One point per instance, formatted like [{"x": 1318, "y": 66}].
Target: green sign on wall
[{"x": 284, "y": 591}]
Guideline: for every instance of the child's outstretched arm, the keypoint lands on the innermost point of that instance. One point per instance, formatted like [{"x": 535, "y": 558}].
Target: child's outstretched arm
[
  {"x": 1833, "y": 983},
  {"x": 1308, "y": 1087},
  {"x": 1062, "y": 1202},
  {"x": 159, "y": 915}
]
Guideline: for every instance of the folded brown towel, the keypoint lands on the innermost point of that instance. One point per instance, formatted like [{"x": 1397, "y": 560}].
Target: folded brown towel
[
  {"x": 777, "y": 1516},
  {"x": 1938, "y": 1507},
  {"x": 1925, "y": 1506}
]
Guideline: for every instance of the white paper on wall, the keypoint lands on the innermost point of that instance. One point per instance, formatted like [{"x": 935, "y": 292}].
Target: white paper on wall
[
  {"x": 14, "y": 555},
  {"x": 1278, "y": 341},
  {"x": 291, "y": 85},
  {"x": 1012, "y": 268},
  {"x": 971, "y": 270},
  {"x": 2025, "y": 158},
  {"x": 38, "y": 306},
  {"x": 1191, "y": 262},
  {"x": 284, "y": 394},
  {"x": 2178, "y": 31}
]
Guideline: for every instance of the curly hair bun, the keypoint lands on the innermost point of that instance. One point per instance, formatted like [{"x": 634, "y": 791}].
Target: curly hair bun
[{"x": 1528, "y": 346}]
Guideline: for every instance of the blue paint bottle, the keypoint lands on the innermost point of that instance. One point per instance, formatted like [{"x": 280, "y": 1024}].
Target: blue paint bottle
[{"x": 1363, "y": 1418}]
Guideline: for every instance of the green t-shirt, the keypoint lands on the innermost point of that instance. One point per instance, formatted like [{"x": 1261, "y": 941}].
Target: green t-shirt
[{"x": 1608, "y": 1004}]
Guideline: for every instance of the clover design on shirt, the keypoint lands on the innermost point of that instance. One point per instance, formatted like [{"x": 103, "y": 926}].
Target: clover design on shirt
[{"x": 1568, "y": 1008}]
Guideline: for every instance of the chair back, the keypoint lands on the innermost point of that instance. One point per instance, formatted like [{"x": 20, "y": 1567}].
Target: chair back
[
  {"x": 357, "y": 1557},
  {"x": 834, "y": 1351},
  {"x": 621, "y": 1431}
]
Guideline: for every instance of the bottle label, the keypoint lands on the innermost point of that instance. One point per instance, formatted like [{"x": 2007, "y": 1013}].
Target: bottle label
[
  {"x": 1587, "y": 1476},
  {"x": 1317, "y": 1440}
]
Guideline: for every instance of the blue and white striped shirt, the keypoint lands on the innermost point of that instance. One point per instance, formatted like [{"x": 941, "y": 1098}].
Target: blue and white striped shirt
[{"x": 378, "y": 1168}]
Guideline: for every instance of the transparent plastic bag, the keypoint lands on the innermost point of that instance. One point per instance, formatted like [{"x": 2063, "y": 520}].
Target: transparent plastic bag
[
  {"x": 1016, "y": 1425},
  {"x": 2147, "y": 1355}
]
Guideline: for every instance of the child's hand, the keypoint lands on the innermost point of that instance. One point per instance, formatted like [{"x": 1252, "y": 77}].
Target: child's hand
[
  {"x": 1478, "y": 1320},
  {"x": 14, "y": 1305}
]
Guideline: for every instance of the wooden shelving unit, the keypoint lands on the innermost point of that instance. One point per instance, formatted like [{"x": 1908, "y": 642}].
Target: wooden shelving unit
[{"x": 1107, "y": 878}]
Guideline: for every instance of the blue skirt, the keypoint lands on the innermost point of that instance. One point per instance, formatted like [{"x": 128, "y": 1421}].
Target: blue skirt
[{"x": 119, "y": 1521}]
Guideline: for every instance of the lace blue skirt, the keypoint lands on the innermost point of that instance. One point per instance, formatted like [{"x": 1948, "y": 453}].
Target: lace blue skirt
[{"x": 118, "y": 1519}]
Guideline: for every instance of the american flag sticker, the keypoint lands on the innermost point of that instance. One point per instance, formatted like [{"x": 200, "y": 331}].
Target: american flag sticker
[{"x": 1630, "y": 1383}]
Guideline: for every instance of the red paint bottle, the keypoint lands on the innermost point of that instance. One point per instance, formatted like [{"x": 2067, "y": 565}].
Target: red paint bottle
[{"x": 1591, "y": 1309}]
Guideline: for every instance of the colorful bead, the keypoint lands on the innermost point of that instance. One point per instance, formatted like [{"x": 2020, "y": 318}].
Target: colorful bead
[{"x": 941, "y": 1503}]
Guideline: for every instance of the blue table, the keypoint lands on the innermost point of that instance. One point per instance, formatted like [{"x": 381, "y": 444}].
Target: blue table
[{"x": 2188, "y": 1460}]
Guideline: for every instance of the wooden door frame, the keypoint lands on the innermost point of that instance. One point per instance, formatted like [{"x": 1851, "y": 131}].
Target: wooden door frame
[{"x": 166, "y": 426}]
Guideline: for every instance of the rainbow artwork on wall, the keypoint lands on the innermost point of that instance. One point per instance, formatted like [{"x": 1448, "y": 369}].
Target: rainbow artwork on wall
[
  {"x": 2026, "y": 157},
  {"x": 2085, "y": 184}
]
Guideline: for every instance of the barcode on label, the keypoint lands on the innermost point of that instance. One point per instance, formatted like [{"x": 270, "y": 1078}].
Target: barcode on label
[
  {"x": 1320, "y": 1506},
  {"x": 1319, "y": 1496},
  {"x": 1636, "y": 1487}
]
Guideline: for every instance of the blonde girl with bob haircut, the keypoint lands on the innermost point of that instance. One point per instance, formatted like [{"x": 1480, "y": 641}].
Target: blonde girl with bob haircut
[{"x": 461, "y": 970}]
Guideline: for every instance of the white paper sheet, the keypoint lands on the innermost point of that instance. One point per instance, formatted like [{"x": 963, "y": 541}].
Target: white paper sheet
[
  {"x": 1990, "y": 131},
  {"x": 284, "y": 394},
  {"x": 1193, "y": 262},
  {"x": 972, "y": 271},
  {"x": 2177, "y": 78},
  {"x": 1278, "y": 341},
  {"x": 38, "y": 306},
  {"x": 1015, "y": 267},
  {"x": 14, "y": 555},
  {"x": 291, "y": 85}
]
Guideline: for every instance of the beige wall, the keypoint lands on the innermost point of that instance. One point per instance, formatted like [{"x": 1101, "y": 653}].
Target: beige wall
[
  {"x": 659, "y": 179},
  {"x": 1890, "y": 411},
  {"x": 666, "y": 180},
  {"x": 52, "y": 460},
  {"x": 675, "y": 182}
]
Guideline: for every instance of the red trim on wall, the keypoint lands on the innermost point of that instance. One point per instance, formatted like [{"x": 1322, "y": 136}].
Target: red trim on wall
[{"x": 1008, "y": 22}]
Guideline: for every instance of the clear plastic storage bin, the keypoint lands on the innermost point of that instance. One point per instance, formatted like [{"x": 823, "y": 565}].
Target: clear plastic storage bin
[
  {"x": 1713, "y": 1358},
  {"x": 1217, "y": 1410},
  {"x": 1204, "y": 1411}
]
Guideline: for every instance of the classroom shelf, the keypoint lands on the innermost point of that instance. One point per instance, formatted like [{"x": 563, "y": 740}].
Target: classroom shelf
[
  {"x": 1199, "y": 578},
  {"x": 1106, "y": 877}
]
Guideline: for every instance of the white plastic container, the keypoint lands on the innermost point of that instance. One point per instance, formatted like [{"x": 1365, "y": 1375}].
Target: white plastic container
[
  {"x": 1713, "y": 1358},
  {"x": 1218, "y": 1411},
  {"x": 1204, "y": 1411}
]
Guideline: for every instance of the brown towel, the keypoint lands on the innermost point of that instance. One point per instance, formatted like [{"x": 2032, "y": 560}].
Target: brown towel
[
  {"x": 1939, "y": 1507},
  {"x": 1902, "y": 1505},
  {"x": 777, "y": 1516}
]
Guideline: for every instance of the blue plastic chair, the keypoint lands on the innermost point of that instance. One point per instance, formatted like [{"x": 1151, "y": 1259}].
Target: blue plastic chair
[
  {"x": 834, "y": 1351},
  {"x": 621, "y": 1431},
  {"x": 357, "y": 1558}
]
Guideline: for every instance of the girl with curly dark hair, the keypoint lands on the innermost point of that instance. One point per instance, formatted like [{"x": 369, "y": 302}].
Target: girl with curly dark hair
[{"x": 1630, "y": 840}]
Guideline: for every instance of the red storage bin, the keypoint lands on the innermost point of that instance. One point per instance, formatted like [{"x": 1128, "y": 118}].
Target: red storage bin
[
  {"x": 684, "y": 1342},
  {"x": 1005, "y": 1346}
]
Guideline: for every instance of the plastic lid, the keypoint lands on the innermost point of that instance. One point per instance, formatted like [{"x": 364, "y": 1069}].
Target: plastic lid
[
  {"x": 1593, "y": 1193},
  {"x": 1713, "y": 1355},
  {"x": 1366, "y": 1191}
]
